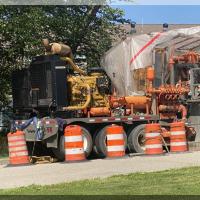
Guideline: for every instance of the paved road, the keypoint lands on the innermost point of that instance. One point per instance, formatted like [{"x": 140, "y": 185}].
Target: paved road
[{"x": 44, "y": 174}]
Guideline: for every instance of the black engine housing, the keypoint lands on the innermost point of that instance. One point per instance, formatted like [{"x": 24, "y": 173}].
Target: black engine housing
[{"x": 41, "y": 86}]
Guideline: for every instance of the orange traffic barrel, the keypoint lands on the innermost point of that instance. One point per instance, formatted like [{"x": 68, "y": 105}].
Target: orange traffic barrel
[
  {"x": 18, "y": 153},
  {"x": 178, "y": 141},
  {"x": 153, "y": 140},
  {"x": 74, "y": 149},
  {"x": 115, "y": 141}
]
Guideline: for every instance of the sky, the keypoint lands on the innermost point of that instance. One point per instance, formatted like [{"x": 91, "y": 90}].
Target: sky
[
  {"x": 157, "y": 2},
  {"x": 168, "y": 2},
  {"x": 158, "y": 14}
]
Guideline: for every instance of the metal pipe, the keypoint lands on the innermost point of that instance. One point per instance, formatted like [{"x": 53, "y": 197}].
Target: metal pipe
[
  {"x": 183, "y": 111},
  {"x": 132, "y": 109},
  {"x": 85, "y": 104},
  {"x": 170, "y": 96},
  {"x": 74, "y": 66},
  {"x": 147, "y": 109},
  {"x": 175, "y": 97},
  {"x": 171, "y": 68}
]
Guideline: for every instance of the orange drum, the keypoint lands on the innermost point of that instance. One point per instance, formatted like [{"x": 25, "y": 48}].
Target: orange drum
[
  {"x": 115, "y": 141},
  {"x": 178, "y": 142},
  {"x": 153, "y": 140},
  {"x": 18, "y": 153},
  {"x": 74, "y": 149}
]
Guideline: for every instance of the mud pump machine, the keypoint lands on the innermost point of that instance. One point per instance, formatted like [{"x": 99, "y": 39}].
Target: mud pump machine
[{"x": 56, "y": 91}]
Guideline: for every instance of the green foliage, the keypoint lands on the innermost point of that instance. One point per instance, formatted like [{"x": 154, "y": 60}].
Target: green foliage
[
  {"x": 171, "y": 182},
  {"x": 20, "y": 34},
  {"x": 89, "y": 30}
]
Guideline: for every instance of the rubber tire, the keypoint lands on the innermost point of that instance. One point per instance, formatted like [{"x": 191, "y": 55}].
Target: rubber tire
[
  {"x": 133, "y": 144},
  {"x": 95, "y": 152},
  {"x": 100, "y": 143},
  {"x": 89, "y": 147},
  {"x": 60, "y": 151}
]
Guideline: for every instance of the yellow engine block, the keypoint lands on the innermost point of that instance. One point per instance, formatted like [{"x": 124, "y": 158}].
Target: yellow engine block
[{"x": 78, "y": 88}]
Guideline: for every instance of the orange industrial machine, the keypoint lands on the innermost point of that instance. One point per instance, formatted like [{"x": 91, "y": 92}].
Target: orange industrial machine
[{"x": 61, "y": 94}]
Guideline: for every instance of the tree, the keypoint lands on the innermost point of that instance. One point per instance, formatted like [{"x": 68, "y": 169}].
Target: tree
[{"x": 89, "y": 30}]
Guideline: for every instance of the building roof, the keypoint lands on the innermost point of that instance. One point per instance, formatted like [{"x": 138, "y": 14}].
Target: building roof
[{"x": 149, "y": 28}]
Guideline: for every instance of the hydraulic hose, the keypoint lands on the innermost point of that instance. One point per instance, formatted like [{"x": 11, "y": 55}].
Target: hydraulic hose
[{"x": 74, "y": 66}]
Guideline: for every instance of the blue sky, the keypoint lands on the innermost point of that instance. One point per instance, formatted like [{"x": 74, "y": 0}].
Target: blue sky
[
  {"x": 156, "y": 2},
  {"x": 156, "y": 14},
  {"x": 167, "y": 2}
]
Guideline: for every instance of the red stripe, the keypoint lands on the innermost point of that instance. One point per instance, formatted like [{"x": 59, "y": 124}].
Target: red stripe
[
  {"x": 17, "y": 140},
  {"x": 116, "y": 154},
  {"x": 112, "y": 119},
  {"x": 124, "y": 119},
  {"x": 20, "y": 145},
  {"x": 20, "y": 151},
  {"x": 98, "y": 120},
  {"x": 144, "y": 47},
  {"x": 115, "y": 142}
]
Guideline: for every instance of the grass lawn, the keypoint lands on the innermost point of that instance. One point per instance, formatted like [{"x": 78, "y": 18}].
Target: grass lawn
[{"x": 171, "y": 182}]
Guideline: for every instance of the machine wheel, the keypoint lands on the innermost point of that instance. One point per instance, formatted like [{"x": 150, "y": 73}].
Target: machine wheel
[
  {"x": 100, "y": 142},
  {"x": 88, "y": 143},
  {"x": 136, "y": 139},
  {"x": 60, "y": 151}
]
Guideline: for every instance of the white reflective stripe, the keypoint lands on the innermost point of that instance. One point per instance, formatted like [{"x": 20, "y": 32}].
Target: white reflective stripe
[
  {"x": 60, "y": 67},
  {"x": 117, "y": 119},
  {"x": 116, "y": 148},
  {"x": 77, "y": 138},
  {"x": 16, "y": 154},
  {"x": 92, "y": 120},
  {"x": 151, "y": 135},
  {"x": 178, "y": 133},
  {"x": 74, "y": 151},
  {"x": 13, "y": 138},
  {"x": 130, "y": 118},
  {"x": 141, "y": 117},
  {"x": 16, "y": 143},
  {"x": 115, "y": 137},
  {"x": 153, "y": 146},
  {"x": 105, "y": 120},
  {"x": 13, "y": 149},
  {"x": 176, "y": 144}
]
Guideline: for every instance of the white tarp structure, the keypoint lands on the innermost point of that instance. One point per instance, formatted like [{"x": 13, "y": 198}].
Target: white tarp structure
[{"x": 136, "y": 52}]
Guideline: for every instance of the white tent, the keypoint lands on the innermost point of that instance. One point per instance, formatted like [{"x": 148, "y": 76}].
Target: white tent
[{"x": 136, "y": 52}]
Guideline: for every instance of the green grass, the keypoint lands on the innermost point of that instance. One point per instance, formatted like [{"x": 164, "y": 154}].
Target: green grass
[{"x": 172, "y": 182}]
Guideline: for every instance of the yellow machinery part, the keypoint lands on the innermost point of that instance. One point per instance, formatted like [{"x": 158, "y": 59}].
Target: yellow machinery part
[
  {"x": 79, "y": 97},
  {"x": 73, "y": 65},
  {"x": 86, "y": 104}
]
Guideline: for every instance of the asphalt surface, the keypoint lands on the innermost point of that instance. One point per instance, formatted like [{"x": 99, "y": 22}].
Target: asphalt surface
[{"x": 46, "y": 174}]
